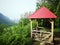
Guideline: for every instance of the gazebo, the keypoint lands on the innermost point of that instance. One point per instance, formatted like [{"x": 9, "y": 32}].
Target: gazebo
[{"x": 44, "y": 36}]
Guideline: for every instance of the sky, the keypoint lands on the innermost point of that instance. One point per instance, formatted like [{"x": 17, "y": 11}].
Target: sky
[{"x": 14, "y": 8}]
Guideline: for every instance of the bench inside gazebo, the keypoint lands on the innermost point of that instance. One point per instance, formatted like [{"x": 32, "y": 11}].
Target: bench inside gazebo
[{"x": 42, "y": 35}]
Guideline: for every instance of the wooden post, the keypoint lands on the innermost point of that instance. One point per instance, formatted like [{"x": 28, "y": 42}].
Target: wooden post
[
  {"x": 52, "y": 28},
  {"x": 31, "y": 27}
]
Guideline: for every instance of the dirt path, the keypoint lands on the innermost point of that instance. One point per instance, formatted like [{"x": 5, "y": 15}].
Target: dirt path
[
  {"x": 57, "y": 38},
  {"x": 56, "y": 41}
]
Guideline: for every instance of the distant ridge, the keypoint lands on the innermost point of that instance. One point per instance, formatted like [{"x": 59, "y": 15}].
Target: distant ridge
[{"x": 5, "y": 20}]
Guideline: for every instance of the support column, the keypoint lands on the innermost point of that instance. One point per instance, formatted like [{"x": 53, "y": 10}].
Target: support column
[
  {"x": 31, "y": 27},
  {"x": 52, "y": 29}
]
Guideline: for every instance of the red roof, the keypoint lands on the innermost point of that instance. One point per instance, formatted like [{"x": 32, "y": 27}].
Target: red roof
[{"x": 43, "y": 12}]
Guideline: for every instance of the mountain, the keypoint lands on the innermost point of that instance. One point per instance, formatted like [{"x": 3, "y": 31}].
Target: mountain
[{"x": 5, "y": 20}]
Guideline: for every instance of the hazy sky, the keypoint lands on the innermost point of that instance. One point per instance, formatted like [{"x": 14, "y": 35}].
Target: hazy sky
[{"x": 14, "y": 8}]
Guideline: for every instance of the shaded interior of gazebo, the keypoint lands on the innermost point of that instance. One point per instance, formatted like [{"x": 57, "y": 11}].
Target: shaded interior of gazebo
[{"x": 42, "y": 35}]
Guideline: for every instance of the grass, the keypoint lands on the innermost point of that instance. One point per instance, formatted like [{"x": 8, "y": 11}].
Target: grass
[{"x": 57, "y": 30}]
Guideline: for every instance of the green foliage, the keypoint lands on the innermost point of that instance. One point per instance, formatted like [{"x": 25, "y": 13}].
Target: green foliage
[
  {"x": 17, "y": 35},
  {"x": 2, "y": 26},
  {"x": 23, "y": 22},
  {"x": 34, "y": 24},
  {"x": 57, "y": 30}
]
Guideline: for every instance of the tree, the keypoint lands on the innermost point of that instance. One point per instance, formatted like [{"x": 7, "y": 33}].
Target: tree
[{"x": 2, "y": 26}]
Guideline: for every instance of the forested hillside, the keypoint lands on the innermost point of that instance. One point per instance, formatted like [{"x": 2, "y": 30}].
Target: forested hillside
[{"x": 5, "y": 20}]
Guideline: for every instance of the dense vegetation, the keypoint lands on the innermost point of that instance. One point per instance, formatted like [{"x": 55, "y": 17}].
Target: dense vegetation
[{"x": 17, "y": 34}]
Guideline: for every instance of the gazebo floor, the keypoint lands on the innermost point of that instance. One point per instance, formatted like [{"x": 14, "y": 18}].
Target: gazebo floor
[{"x": 56, "y": 41}]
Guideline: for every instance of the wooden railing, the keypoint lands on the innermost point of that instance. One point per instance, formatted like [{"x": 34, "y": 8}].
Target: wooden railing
[{"x": 40, "y": 35}]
